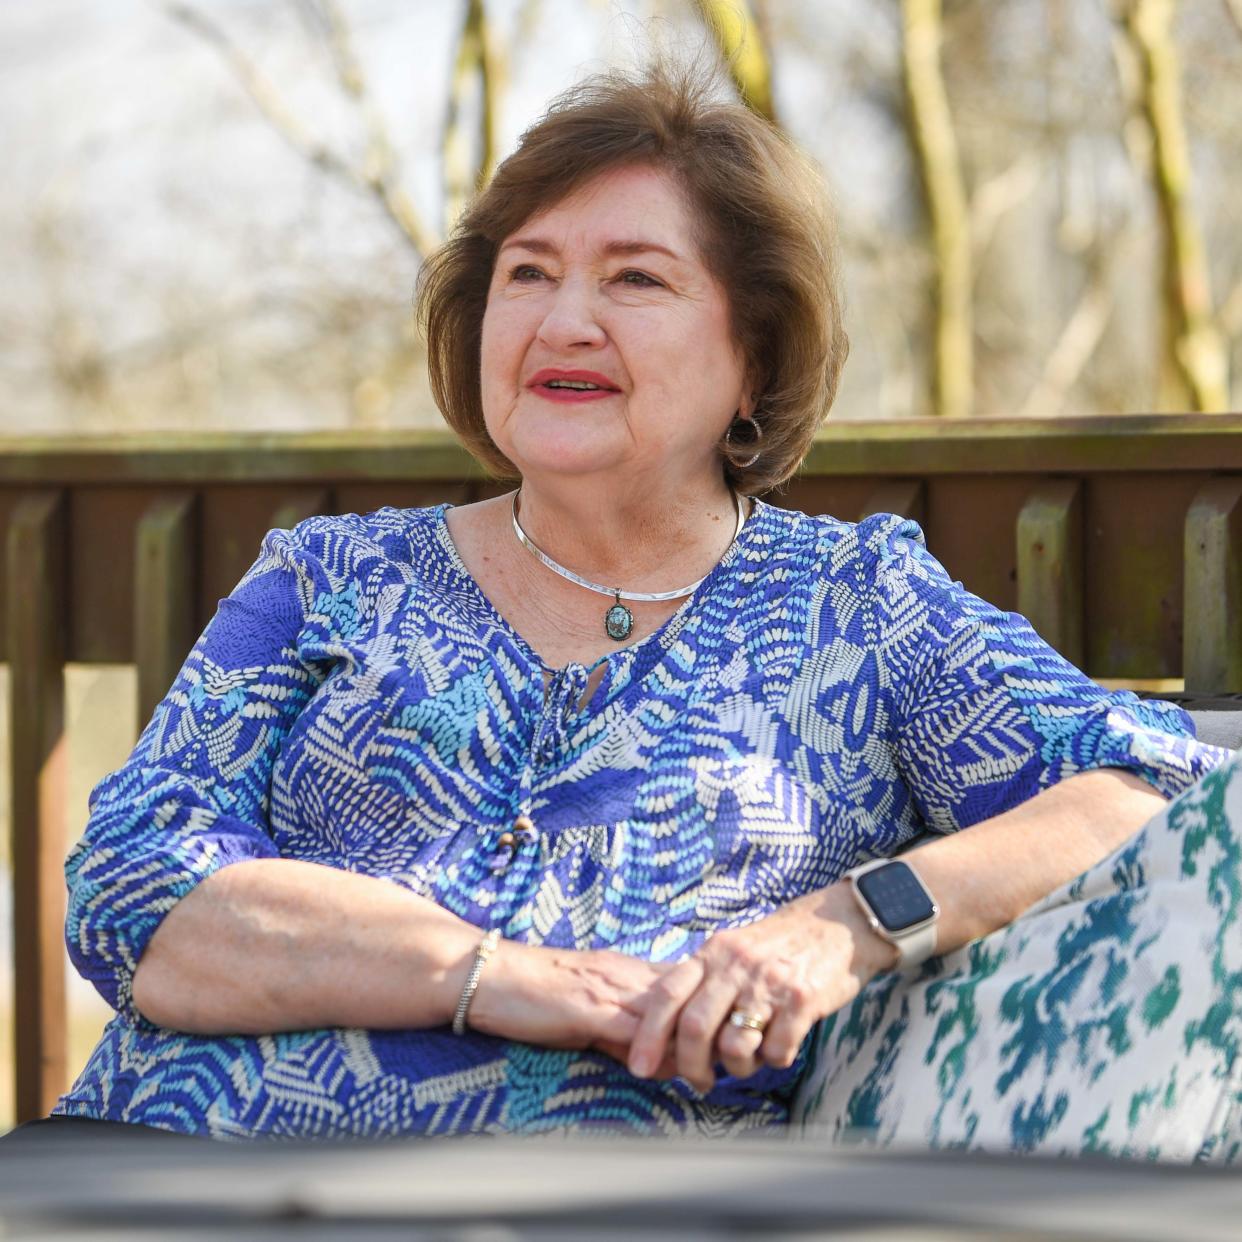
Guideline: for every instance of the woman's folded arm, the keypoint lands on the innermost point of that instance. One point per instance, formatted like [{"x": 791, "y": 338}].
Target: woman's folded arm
[
  {"x": 193, "y": 797},
  {"x": 278, "y": 944},
  {"x": 985, "y": 876}
]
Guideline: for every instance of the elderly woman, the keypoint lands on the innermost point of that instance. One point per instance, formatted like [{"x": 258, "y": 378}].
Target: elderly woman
[{"x": 576, "y": 807}]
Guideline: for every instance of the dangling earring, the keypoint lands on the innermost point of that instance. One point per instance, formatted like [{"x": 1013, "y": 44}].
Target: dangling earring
[{"x": 731, "y": 443}]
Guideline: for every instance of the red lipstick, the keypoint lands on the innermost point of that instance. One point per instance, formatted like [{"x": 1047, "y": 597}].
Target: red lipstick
[{"x": 557, "y": 384}]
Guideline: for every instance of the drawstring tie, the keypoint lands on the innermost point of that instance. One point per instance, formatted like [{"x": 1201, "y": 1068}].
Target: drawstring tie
[{"x": 552, "y": 737}]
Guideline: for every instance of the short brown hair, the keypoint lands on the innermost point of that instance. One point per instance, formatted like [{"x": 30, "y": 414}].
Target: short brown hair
[{"x": 765, "y": 233}]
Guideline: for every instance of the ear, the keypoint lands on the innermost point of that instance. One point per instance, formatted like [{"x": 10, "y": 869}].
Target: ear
[
  {"x": 748, "y": 401},
  {"x": 752, "y": 390}
]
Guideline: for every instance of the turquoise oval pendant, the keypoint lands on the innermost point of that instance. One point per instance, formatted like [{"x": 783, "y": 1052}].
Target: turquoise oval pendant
[{"x": 618, "y": 621}]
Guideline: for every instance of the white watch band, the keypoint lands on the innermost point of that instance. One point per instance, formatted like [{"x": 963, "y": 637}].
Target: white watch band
[{"x": 915, "y": 946}]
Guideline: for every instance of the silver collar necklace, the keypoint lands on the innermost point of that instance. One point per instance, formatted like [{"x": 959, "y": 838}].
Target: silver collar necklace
[{"x": 618, "y": 620}]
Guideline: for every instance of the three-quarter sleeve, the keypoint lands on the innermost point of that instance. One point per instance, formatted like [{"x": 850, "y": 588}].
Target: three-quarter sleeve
[
  {"x": 193, "y": 795},
  {"x": 984, "y": 713}
]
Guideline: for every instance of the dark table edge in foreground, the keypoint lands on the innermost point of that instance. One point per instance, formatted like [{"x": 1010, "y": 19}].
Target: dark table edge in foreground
[{"x": 741, "y": 1184}]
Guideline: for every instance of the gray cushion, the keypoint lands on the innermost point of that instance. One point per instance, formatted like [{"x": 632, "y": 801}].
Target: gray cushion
[{"x": 1219, "y": 728}]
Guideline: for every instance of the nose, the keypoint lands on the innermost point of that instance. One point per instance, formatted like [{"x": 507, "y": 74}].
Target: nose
[{"x": 572, "y": 319}]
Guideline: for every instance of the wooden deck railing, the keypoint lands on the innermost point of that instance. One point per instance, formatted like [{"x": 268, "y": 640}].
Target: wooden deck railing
[{"x": 1120, "y": 538}]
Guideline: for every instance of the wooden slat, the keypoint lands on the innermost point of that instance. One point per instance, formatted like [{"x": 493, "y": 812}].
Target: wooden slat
[
  {"x": 1050, "y": 565},
  {"x": 37, "y": 608},
  {"x": 165, "y": 612},
  {"x": 9, "y": 499},
  {"x": 102, "y": 523},
  {"x": 970, "y": 531},
  {"x": 231, "y": 524},
  {"x": 1212, "y": 608},
  {"x": 905, "y": 497},
  {"x": 411, "y": 493},
  {"x": 1132, "y": 543},
  {"x": 295, "y": 509},
  {"x": 841, "y": 498}
]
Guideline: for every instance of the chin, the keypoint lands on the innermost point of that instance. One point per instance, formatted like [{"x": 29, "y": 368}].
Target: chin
[
  {"x": 532, "y": 465},
  {"x": 563, "y": 450}
]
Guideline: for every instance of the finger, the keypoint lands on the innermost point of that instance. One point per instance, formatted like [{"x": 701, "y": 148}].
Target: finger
[
  {"x": 738, "y": 1047},
  {"x": 621, "y": 1051},
  {"x": 698, "y": 1028},
  {"x": 784, "y": 1037},
  {"x": 664, "y": 1002}
]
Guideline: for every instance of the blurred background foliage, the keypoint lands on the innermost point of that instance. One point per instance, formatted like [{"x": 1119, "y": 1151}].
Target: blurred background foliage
[{"x": 216, "y": 209}]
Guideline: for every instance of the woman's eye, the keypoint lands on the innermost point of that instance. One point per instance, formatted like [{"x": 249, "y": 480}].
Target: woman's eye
[
  {"x": 641, "y": 279},
  {"x": 526, "y": 273}
]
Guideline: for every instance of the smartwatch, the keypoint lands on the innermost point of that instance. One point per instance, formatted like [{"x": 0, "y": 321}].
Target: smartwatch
[{"x": 898, "y": 906}]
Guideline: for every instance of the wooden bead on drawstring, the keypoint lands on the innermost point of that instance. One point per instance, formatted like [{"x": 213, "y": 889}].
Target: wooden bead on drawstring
[{"x": 524, "y": 832}]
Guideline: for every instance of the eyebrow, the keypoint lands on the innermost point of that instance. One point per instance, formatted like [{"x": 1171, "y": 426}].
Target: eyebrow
[{"x": 630, "y": 246}]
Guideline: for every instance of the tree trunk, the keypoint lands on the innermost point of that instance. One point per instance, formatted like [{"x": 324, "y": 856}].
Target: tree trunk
[
  {"x": 1194, "y": 348},
  {"x": 477, "y": 64},
  {"x": 936, "y": 154}
]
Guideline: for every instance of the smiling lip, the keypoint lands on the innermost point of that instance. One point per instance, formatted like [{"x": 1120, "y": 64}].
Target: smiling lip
[{"x": 539, "y": 384}]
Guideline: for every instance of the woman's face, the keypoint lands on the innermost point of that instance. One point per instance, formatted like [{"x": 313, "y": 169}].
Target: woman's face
[{"x": 606, "y": 341}]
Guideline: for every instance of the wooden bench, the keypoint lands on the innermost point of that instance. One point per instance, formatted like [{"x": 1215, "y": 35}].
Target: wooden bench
[{"x": 1120, "y": 538}]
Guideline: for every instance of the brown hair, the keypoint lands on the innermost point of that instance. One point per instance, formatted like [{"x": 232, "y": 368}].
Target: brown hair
[{"x": 765, "y": 233}]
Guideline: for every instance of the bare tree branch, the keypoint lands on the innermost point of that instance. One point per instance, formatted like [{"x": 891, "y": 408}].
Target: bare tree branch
[
  {"x": 1230, "y": 317},
  {"x": 381, "y": 167},
  {"x": 377, "y": 179},
  {"x": 999, "y": 195},
  {"x": 1234, "y": 9},
  {"x": 337, "y": 36},
  {"x": 1079, "y": 339},
  {"x": 739, "y": 37}
]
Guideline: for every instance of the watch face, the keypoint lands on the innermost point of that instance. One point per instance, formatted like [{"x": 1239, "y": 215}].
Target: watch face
[{"x": 896, "y": 897}]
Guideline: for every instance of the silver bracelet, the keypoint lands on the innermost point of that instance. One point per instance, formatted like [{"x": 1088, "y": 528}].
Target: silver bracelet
[{"x": 487, "y": 946}]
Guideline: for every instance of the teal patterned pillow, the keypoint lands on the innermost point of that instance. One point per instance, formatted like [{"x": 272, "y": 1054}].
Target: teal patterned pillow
[{"x": 1107, "y": 1019}]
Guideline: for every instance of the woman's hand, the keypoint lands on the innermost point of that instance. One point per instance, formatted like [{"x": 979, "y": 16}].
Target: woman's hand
[
  {"x": 789, "y": 970},
  {"x": 564, "y": 998}
]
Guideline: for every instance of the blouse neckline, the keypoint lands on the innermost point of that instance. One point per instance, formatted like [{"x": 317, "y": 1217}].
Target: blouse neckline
[{"x": 662, "y": 636}]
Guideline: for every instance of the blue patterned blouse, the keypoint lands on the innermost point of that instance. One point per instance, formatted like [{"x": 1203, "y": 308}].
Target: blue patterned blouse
[{"x": 826, "y": 694}]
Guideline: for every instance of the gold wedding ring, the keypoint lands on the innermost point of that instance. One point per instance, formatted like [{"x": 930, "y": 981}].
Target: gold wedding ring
[{"x": 747, "y": 1021}]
